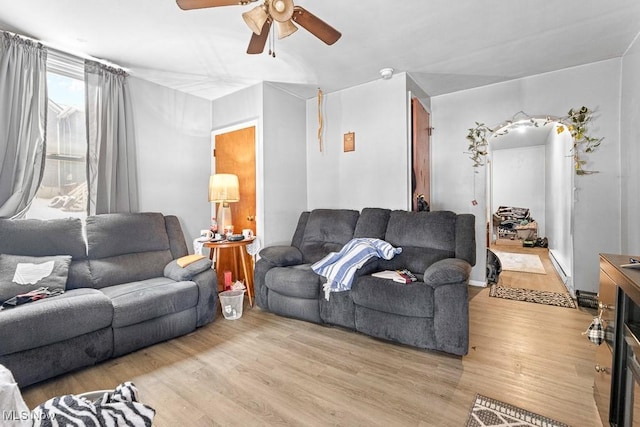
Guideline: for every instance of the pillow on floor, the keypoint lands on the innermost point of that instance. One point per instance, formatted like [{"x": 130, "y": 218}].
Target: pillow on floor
[{"x": 21, "y": 274}]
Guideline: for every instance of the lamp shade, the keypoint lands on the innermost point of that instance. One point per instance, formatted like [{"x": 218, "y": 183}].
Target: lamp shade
[
  {"x": 224, "y": 187},
  {"x": 256, "y": 18},
  {"x": 286, "y": 28}
]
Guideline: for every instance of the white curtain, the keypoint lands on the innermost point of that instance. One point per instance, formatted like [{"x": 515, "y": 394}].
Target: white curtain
[
  {"x": 111, "y": 165},
  {"x": 23, "y": 118}
]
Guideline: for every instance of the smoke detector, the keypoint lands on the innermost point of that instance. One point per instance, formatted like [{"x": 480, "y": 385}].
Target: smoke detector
[{"x": 386, "y": 73}]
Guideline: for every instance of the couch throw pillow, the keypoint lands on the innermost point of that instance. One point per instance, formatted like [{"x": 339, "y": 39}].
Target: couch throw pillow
[{"x": 20, "y": 274}]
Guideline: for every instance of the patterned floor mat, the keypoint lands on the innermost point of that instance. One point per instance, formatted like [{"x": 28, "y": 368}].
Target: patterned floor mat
[
  {"x": 531, "y": 295},
  {"x": 487, "y": 412}
]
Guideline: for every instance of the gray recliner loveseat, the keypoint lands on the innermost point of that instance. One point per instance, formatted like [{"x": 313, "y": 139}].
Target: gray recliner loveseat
[
  {"x": 124, "y": 291},
  {"x": 431, "y": 313}
]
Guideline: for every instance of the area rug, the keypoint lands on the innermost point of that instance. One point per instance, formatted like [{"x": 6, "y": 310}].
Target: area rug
[
  {"x": 531, "y": 295},
  {"x": 487, "y": 412},
  {"x": 525, "y": 263}
]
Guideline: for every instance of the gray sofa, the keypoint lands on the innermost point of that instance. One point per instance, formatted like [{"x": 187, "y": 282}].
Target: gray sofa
[
  {"x": 432, "y": 313},
  {"x": 124, "y": 291}
]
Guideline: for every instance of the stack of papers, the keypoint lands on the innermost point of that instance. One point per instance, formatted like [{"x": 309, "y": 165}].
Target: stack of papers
[{"x": 400, "y": 276}]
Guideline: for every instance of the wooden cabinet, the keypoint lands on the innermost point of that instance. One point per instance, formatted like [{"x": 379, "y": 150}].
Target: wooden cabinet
[
  {"x": 617, "y": 373},
  {"x": 604, "y": 354},
  {"x": 602, "y": 382}
]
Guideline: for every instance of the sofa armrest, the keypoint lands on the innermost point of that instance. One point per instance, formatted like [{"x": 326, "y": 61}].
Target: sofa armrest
[
  {"x": 447, "y": 271},
  {"x": 282, "y": 256},
  {"x": 179, "y": 274}
]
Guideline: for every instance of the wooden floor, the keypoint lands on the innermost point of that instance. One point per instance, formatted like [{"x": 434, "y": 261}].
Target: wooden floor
[
  {"x": 543, "y": 282},
  {"x": 263, "y": 369}
]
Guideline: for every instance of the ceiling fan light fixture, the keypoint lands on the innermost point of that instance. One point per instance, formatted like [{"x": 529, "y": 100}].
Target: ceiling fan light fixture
[
  {"x": 285, "y": 29},
  {"x": 256, "y": 18},
  {"x": 281, "y": 10}
]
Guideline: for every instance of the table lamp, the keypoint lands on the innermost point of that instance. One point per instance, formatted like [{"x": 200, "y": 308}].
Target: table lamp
[{"x": 224, "y": 188}]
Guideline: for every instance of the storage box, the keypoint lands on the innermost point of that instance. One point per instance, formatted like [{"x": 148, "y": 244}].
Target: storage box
[{"x": 527, "y": 232}]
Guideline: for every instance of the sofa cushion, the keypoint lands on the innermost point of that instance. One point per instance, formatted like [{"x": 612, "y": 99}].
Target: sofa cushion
[
  {"x": 372, "y": 223},
  {"x": 447, "y": 271},
  {"x": 35, "y": 237},
  {"x": 327, "y": 230},
  {"x": 128, "y": 268},
  {"x": 136, "y": 302},
  {"x": 411, "y": 299},
  {"x": 425, "y": 237},
  {"x": 76, "y": 312},
  {"x": 281, "y": 256},
  {"x": 177, "y": 273},
  {"x": 20, "y": 274},
  {"x": 110, "y": 235},
  {"x": 297, "y": 281},
  {"x": 125, "y": 248}
]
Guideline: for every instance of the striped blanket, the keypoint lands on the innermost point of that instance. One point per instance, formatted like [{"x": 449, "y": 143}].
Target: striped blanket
[
  {"x": 120, "y": 408},
  {"x": 340, "y": 267}
]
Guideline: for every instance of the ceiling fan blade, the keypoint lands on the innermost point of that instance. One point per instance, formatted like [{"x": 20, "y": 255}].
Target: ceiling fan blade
[
  {"x": 257, "y": 42},
  {"x": 315, "y": 25},
  {"x": 201, "y": 4}
]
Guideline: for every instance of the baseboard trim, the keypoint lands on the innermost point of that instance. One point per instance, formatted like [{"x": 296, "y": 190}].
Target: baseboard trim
[{"x": 478, "y": 283}]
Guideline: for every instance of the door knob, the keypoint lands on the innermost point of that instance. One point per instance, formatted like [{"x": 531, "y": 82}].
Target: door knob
[{"x": 250, "y": 217}]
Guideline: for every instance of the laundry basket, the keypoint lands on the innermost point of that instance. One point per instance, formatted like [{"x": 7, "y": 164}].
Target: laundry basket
[{"x": 231, "y": 302}]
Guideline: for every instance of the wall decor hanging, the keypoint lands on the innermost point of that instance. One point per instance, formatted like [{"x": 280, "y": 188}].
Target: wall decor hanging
[{"x": 576, "y": 122}]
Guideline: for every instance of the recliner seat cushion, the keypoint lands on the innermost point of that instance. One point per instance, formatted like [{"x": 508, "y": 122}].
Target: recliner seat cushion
[
  {"x": 35, "y": 324},
  {"x": 297, "y": 281},
  {"x": 407, "y": 299},
  {"x": 137, "y": 302}
]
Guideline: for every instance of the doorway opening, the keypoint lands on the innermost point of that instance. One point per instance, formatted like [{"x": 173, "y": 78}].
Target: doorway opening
[
  {"x": 530, "y": 201},
  {"x": 235, "y": 151}
]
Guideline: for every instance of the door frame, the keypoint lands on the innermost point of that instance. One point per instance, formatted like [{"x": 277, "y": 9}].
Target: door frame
[{"x": 259, "y": 166}]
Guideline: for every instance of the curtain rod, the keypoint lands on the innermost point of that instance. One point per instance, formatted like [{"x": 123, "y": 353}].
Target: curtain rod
[{"x": 66, "y": 54}]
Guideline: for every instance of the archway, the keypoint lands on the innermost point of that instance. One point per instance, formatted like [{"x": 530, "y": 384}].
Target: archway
[{"x": 530, "y": 169}]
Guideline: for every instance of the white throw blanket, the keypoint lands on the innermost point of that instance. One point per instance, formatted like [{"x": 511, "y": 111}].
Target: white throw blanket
[{"x": 340, "y": 267}]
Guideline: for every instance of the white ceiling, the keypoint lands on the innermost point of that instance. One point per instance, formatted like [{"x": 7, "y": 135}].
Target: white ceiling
[{"x": 445, "y": 45}]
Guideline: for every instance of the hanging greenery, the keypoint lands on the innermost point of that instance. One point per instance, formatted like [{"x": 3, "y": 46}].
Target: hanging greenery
[{"x": 575, "y": 122}]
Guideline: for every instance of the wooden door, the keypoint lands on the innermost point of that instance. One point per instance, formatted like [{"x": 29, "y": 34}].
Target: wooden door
[
  {"x": 421, "y": 132},
  {"x": 235, "y": 152}
]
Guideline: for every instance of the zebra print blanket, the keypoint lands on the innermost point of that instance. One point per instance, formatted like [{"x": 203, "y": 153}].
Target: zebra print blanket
[{"x": 120, "y": 408}]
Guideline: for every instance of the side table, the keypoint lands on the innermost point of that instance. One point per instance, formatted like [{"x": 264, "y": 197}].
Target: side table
[{"x": 215, "y": 248}]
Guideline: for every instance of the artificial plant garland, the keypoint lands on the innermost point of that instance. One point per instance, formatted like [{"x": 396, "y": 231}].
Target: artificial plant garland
[{"x": 576, "y": 122}]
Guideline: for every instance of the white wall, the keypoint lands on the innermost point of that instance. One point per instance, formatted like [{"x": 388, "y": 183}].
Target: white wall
[
  {"x": 559, "y": 191},
  {"x": 519, "y": 180},
  {"x": 284, "y": 164},
  {"x": 376, "y": 174},
  {"x": 597, "y": 206},
  {"x": 172, "y": 137},
  {"x": 280, "y": 154},
  {"x": 630, "y": 150}
]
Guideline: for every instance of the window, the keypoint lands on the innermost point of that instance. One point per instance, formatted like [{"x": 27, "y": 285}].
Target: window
[{"x": 63, "y": 191}]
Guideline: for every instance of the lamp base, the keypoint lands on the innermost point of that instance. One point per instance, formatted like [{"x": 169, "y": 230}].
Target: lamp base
[{"x": 224, "y": 218}]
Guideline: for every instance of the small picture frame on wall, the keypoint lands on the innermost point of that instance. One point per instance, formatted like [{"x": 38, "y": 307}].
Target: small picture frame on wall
[{"x": 349, "y": 141}]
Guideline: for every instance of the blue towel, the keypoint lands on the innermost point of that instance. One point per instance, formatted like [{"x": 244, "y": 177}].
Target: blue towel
[{"x": 340, "y": 267}]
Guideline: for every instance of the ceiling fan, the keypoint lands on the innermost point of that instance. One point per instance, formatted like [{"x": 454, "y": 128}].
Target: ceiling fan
[{"x": 260, "y": 18}]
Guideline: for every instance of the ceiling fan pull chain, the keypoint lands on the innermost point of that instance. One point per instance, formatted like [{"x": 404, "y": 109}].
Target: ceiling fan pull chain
[{"x": 273, "y": 40}]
